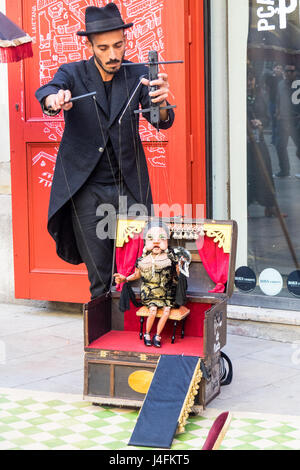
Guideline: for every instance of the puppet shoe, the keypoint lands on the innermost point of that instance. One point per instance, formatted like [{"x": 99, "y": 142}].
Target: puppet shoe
[
  {"x": 147, "y": 339},
  {"x": 156, "y": 341}
]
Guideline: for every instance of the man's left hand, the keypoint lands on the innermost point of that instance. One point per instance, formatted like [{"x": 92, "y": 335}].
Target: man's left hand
[{"x": 162, "y": 92}]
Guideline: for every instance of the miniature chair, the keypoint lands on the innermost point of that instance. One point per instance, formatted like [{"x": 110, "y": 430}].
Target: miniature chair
[
  {"x": 217, "y": 431},
  {"x": 176, "y": 314}
]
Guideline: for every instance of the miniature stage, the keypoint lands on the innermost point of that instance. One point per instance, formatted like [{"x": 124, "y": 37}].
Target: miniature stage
[{"x": 128, "y": 339}]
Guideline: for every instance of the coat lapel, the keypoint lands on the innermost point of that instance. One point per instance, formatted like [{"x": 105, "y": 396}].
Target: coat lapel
[
  {"x": 122, "y": 88},
  {"x": 95, "y": 83}
]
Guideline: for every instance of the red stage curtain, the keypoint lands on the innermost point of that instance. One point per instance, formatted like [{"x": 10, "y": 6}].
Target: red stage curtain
[
  {"x": 127, "y": 255},
  {"x": 215, "y": 262}
]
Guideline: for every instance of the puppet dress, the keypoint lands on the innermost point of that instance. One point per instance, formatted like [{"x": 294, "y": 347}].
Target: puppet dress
[{"x": 159, "y": 277}]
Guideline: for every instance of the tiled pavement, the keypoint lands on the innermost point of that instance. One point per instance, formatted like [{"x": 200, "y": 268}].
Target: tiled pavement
[{"x": 32, "y": 420}]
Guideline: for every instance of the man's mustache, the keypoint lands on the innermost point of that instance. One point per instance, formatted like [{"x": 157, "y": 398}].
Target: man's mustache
[{"x": 113, "y": 62}]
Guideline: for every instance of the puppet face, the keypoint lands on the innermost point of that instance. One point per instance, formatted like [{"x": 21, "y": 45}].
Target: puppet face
[
  {"x": 156, "y": 240},
  {"x": 108, "y": 50}
]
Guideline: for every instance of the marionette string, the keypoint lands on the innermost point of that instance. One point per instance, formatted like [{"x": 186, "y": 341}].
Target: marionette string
[{"x": 79, "y": 223}]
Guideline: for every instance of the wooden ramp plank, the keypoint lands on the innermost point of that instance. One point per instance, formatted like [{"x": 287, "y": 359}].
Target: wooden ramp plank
[{"x": 159, "y": 416}]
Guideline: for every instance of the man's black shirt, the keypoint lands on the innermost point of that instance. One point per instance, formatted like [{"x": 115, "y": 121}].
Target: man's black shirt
[{"x": 107, "y": 170}]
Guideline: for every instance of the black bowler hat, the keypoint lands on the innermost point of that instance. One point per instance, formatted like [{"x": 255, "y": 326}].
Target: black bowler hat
[{"x": 101, "y": 20}]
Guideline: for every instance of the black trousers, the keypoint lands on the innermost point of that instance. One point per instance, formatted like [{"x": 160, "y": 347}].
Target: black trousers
[
  {"x": 94, "y": 212},
  {"x": 287, "y": 128}
]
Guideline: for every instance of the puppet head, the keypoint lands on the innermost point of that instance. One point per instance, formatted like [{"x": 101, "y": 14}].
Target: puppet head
[{"x": 156, "y": 235}]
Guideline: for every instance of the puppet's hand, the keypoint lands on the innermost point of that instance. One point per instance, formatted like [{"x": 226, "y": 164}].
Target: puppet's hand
[{"x": 119, "y": 278}]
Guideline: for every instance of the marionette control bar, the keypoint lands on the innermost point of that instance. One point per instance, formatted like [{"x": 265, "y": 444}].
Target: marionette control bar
[
  {"x": 154, "y": 108},
  {"x": 153, "y": 63},
  {"x": 79, "y": 97}
]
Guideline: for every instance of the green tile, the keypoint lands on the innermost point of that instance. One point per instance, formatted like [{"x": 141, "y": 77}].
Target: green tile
[
  {"x": 284, "y": 429},
  {"x": 104, "y": 414},
  {"x": 4, "y": 428},
  {"x": 252, "y": 420},
  {"x": 121, "y": 435},
  {"x": 115, "y": 445},
  {"x": 197, "y": 418},
  {"x": 248, "y": 438},
  {"x": 96, "y": 424},
  {"x": 9, "y": 419},
  {"x": 186, "y": 436},
  {"x": 90, "y": 434},
  {"x": 46, "y": 411},
  {"x": 251, "y": 429},
  {"x": 30, "y": 430},
  {"x": 245, "y": 447},
  {"x": 54, "y": 403},
  {"x": 26, "y": 402},
  {"x": 18, "y": 410},
  {"x": 181, "y": 446},
  {"x": 52, "y": 443},
  {"x": 126, "y": 425},
  {"x": 75, "y": 412},
  {"x": 280, "y": 439},
  {"x": 22, "y": 441},
  {"x": 132, "y": 415},
  {"x": 84, "y": 445},
  {"x": 82, "y": 404},
  {"x": 60, "y": 432},
  {"x": 192, "y": 427},
  {"x": 4, "y": 399},
  {"x": 38, "y": 421},
  {"x": 69, "y": 422}
]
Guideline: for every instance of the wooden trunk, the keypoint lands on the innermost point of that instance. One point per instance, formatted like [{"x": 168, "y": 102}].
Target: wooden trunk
[{"x": 114, "y": 350}]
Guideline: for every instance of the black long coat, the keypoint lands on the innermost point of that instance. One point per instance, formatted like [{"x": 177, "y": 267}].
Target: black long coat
[{"x": 84, "y": 139}]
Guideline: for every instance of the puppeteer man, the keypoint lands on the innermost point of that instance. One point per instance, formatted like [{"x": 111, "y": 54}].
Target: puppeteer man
[{"x": 100, "y": 157}]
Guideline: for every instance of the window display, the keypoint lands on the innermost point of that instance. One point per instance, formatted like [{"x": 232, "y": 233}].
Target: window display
[{"x": 273, "y": 138}]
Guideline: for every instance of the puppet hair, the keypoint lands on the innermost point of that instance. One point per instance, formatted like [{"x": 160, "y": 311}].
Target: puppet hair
[{"x": 156, "y": 223}]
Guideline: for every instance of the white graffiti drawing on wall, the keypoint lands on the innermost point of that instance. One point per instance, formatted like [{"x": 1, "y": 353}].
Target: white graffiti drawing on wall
[
  {"x": 54, "y": 27},
  {"x": 156, "y": 156},
  {"x": 46, "y": 163}
]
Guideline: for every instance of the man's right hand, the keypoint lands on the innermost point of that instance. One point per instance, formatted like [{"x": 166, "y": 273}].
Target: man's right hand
[
  {"x": 119, "y": 278},
  {"x": 59, "y": 101}
]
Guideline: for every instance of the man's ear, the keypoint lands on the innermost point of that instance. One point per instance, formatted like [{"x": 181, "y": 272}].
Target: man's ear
[{"x": 90, "y": 47}]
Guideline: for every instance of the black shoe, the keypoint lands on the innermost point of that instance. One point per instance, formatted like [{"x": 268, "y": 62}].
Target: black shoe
[
  {"x": 272, "y": 212},
  {"x": 156, "y": 341},
  {"x": 147, "y": 341},
  {"x": 281, "y": 174}
]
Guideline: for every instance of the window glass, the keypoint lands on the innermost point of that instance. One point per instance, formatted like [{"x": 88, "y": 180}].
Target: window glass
[{"x": 273, "y": 145}]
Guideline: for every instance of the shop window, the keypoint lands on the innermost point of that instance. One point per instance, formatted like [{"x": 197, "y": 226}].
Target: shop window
[{"x": 273, "y": 152}]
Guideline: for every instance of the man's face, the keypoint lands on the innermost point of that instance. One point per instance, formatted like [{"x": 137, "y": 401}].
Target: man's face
[
  {"x": 108, "y": 50},
  {"x": 290, "y": 72},
  {"x": 278, "y": 70}
]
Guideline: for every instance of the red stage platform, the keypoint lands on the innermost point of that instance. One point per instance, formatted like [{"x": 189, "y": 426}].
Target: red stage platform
[{"x": 129, "y": 341}]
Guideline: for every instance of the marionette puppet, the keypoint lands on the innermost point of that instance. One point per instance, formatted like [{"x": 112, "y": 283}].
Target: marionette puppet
[{"x": 163, "y": 274}]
